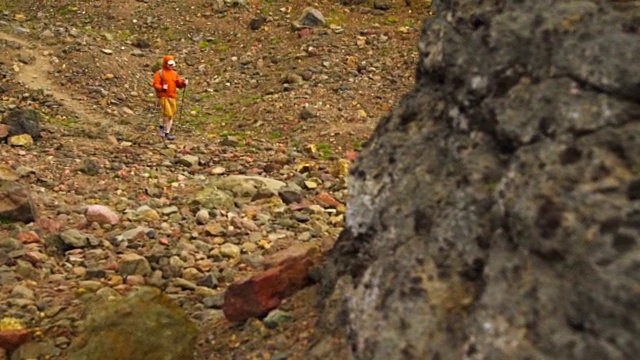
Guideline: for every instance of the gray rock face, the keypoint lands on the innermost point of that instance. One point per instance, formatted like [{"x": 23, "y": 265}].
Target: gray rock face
[
  {"x": 24, "y": 121},
  {"x": 311, "y": 17},
  {"x": 495, "y": 214}
]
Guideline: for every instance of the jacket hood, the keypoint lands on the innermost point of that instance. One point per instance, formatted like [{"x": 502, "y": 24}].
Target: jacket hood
[{"x": 165, "y": 60}]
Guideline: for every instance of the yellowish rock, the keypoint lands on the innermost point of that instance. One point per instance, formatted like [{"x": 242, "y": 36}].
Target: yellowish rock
[
  {"x": 310, "y": 185},
  {"x": 112, "y": 140},
  {"x": 7, "y": 173},
  {"x": 310, "y": 149},
  {"x": 214, "y": 230},
  {"x": 306, "y": 167},
  {"x": 23, "y": 140},
  {"x": 341, "y": 168},
  {"x": 10, "y": 323},
  {"x": 264, "y": 244},
  {"x": 336, "y": 219},
  {"x": 115, "y": 280},
  {"x": 149, "y": 215}
]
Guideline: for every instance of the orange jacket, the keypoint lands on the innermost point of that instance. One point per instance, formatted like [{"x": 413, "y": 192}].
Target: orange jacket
[{"x": 169, "y": 77}]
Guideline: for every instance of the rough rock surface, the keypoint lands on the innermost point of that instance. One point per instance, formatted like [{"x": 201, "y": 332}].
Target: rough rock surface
[
  {"x": 15, "y": 202},
  {"x": 288, "y": 271},
  {"x": 23, "y": 121},
  {"x": 147, "y": 324},
  {"x": 495, "y": 214},
  {"x": 179, "y": 229}
]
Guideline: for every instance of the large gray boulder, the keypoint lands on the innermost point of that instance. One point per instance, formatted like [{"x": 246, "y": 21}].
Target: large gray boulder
[{"x": 496, "y": 213}]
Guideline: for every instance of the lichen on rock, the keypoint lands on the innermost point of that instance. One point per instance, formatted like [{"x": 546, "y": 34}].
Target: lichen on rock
[{"x": 494, "y": 214}]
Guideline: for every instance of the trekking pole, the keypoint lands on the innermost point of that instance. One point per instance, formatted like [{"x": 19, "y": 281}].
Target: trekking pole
[{"x": 184, "y": 95}]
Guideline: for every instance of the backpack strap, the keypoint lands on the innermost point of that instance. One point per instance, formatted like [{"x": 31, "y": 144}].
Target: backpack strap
[{"x": 161, "y": 77}]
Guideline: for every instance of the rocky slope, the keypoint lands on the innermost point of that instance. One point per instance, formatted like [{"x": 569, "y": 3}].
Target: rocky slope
[{"x": 273, "y": 103}]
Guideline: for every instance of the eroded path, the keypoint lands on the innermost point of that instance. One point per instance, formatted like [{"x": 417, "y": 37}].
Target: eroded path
[
  {"x": 37, "y": 72},
  {"x": 36, "y": 75}
]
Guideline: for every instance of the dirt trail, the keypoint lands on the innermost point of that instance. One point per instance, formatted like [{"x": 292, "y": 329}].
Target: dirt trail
[{"x": 36, "y": 75}]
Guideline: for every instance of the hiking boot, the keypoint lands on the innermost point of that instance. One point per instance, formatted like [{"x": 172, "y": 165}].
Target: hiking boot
[
  {"x": 169, "y": 136},
  {"x": 161, "y": 130}
]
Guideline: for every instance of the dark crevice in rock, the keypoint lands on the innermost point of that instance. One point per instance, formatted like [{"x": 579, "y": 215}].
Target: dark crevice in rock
[
  {"x": 349, "y": 247},
  {"x": 623, "y": 242},
  {"x": 410, "y": 114},
  {"x": 549, "y": 219},
  {"x": 473, "y": 272},
  {"x": 506, "y": 146},
  {"x": 588, "y": 86},
  {"x": 422, "y": 222},
  {"x": 570, "y": 155},
  {"x": 550, "y": 255},
  {"x": 633, "y": 190}
]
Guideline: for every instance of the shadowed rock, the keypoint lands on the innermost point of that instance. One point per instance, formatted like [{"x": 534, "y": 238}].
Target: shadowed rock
[
  {"x": 494, "y": 214},
  {"x": 15, "y": 202},
  {"x": 23, "y": 121},
  {"x": 145, "y": 325}
]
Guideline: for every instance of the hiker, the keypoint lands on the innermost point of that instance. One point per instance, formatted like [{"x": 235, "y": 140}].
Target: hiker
[{"x": 166, "y": 81}]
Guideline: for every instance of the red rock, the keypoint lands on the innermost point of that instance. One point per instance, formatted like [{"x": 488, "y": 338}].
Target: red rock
[
  {"x": 204, "y": 265},
  {"x": 111, "y": 265},
  {"x": 4, "y": 130},
  {"x": 122, "y": 288},
  {"x": 304, "y": 32},
  {"x": 245, "y": 224},
  {"x": 304, "y": 204},
  {"x": 297, "y": 252},
  {"x": 34, "y": 257},
  {"x": 135, "y": 280},
  {"x": 325, "y": 200},
  {"x": 30, "y": 237},
  {"x": 351, "y": 156},
  {"x": 262, "y": 293},
  {"x": 49, "y": 226},
  {"x": 12, "y": 339},
  {"x": 254, "y": 171}
]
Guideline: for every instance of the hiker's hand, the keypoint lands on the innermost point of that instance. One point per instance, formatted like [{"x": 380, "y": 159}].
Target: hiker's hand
[
  {"x": 165, "y": 86},
  {"x": 186, "y": 82}
]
